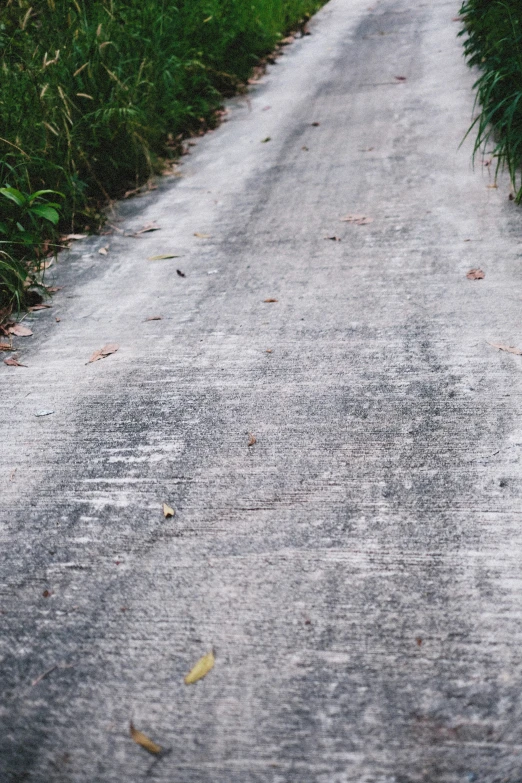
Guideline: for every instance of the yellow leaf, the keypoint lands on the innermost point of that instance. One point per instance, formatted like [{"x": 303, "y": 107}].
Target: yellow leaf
[
  {"x": 161, "y": 258},
  {"x": 202, "y": 667},
  {"x": 168, "y": 511},
  {"x": 141, "y": 739}
]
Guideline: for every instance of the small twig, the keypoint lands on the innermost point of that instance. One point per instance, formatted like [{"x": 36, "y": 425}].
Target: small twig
[{"x": 61, "y": 665}]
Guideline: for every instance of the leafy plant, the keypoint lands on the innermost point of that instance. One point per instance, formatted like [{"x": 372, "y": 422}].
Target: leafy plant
[
  {"x": 24, "y": 219},
  {"x": 493, "y": 45},
  {"x": 95, "y": 94}
]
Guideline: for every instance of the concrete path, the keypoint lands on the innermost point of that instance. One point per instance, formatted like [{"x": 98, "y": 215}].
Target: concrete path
[{"x": 357, "y": 570}]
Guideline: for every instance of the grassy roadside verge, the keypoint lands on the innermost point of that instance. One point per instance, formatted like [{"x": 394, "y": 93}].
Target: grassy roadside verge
[
  {"x": 95, "y": 94},
  {"x": 493, "y": 44}
]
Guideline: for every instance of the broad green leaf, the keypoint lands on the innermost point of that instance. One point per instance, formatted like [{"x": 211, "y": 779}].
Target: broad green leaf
[
  {"x": 14, "y": 195},
  {"x": 40, "y": 193},
  {"x": 46, "y": 212}
]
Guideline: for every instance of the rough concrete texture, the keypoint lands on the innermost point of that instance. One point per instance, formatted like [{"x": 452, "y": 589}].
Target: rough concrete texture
[{"x": 358, "y": 569}]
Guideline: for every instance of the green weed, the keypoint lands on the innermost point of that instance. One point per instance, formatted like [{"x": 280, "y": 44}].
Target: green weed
[
  {"x": 95, "y": 94},
  {"x": 493, "y": 44}
]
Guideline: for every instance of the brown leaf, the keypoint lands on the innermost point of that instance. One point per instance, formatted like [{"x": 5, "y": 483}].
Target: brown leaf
[
  {"x": 6, "y": 347},
  {"x": 475, "y": 274},
  {"x": 103, "y": 250},
  {"x": 34, "y": 308},
  {"x": 20, "y": 330},
  {"x": 13, "y": 362},
  {"x": 507, "y": 348},
  {"x": 154, "y": 318},
  {"x": 251, "y": 440},
  {"x": 75, "y": 236},
  {"x": 148, "y": 227},
  {"x": 168, "y": 511},
  {"x": 201, "y": 236},
  {"x": 162, "y": 257},
  {"x": 270, "y": 300},
  {"x": 359, "y": 220},
  {"x": 202, "y": 667},
  {"x": 494, "y": 185},
  {"x": 101, "y": 353},
  {"x": 269, "y": 350},
  {"x": 141, "y": 739}
]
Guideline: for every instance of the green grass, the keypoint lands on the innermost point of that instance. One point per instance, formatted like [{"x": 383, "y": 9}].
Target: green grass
[
  {"x": 493, "y": 44},
  {"x": 95, "y": 94}
]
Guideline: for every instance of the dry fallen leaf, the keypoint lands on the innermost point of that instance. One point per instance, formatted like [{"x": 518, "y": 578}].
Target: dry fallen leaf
[
  {"x": 168, "y": 511},
  {"x": 37, "y": 307},
  {"x": 141, "y": 739},
  {"x": 202, "y": 667},
  {"x": 475, "y": 274},
  {"x": 251, "y": 440},
  {"x": 20, "y": 330},
  {"x": 103, "y": 250},
  {"x": 269, "y": 350},
  {"x": 161, "y": 258},
  {"x": 13, "y": 362},
  {"x": 154, "y": 318},
  {"x": 6, "y": 347},
  {"x": 359, "y": 220},
  {"x": 270, "y": 300},
  {"x": 101, "y": 353},
  {"x": 494, "y": 185},
  {"x": 334, "y": 239},
  {"x": 149, "y": 227},
  {"x": 75, "y": 236},
  {"x": 201, "y": 236},
  {"x": 507, "y": 348}
]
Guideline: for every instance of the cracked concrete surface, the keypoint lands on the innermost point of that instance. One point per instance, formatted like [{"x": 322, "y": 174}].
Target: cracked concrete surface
[{"x": 358, "y": 569}]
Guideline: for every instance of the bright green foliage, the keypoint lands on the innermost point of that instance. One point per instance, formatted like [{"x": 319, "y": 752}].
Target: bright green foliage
[
  {"x": 94, "y": 92},
  {"x": 494, "y": 45},
  {"x": 24, "y": 219}
]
